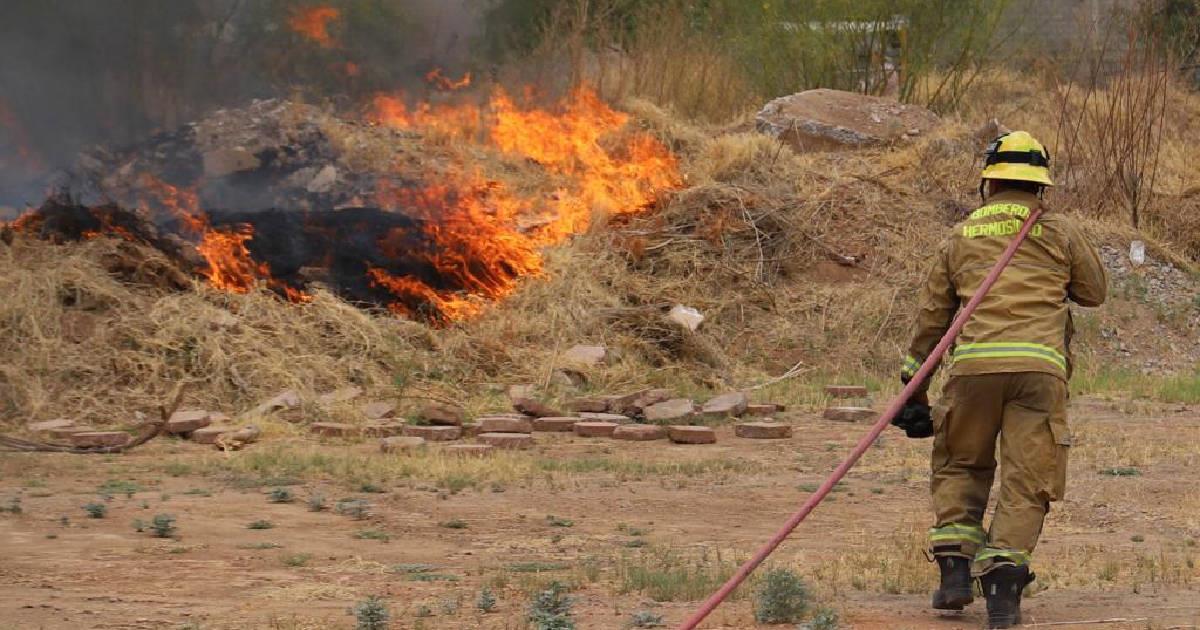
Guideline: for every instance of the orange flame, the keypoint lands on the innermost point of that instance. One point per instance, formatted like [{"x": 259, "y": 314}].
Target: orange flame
[
  {"x": 313, "y": 23},
  {"x": 489, "y": 236},
  {"x": 445, "y": 83}
]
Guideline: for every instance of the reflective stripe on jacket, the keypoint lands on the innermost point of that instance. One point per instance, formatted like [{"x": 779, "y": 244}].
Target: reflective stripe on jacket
[{"x": 1024, "y": 323}]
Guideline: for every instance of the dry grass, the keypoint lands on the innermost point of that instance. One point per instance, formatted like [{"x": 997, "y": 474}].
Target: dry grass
[{"x": 754, "y": 241}]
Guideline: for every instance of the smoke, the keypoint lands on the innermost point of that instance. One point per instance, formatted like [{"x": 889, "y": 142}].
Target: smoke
[{"x": 75, "y": 74}]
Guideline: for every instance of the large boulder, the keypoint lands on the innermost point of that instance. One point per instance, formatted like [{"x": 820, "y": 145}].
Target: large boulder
[{"x": 828, "y": 119}]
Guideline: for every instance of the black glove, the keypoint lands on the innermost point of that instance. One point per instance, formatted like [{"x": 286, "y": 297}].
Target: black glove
[{"x": 914, "y": 418}]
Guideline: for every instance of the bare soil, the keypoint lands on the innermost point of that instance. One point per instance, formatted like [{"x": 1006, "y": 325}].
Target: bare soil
[{"x": 1123, "y": 544}]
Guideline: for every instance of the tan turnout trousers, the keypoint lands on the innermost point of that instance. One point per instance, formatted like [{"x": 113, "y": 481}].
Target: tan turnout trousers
[{"x": 1026, "y": 412}]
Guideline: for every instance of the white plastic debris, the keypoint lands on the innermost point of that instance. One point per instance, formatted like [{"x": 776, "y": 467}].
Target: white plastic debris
[
  {"x": 686, "y": 316},
  {"x": 1137, "y": 253}
]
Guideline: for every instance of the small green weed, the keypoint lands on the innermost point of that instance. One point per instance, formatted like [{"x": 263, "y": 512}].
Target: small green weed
[
  {"x": 371, "y": 614},
  {"x": 1121, "y": 471},
  {"x": 260, "y": 545},
  {"x": 296, "y": 559},
  {"x": 535, "y": 567},
  {"x": 281, "y": 495},
  {"x": 200, "y": 492},
  {"x": 413, "y": 567},
  {"x": 96, "y": 510},
  {"x": 261, "y": 524},
  {"x": 554, "y": 521},
  {"x": 316, "y": 503},
  {"x": 119, "y": 486},
  {"x": 551, "y": 609},
  {"x": 372, "y": 534},
  {"x": 646, "y": 619},
  {"x": 823, "y": 619},
  {"x": 356, "y": 509},
  {"x": 433, "y": 577},
  {"x": 163, "y": 525},
  {"x": 372, "y": 488},
  {"x": 782, "y": 598},
  {"x": 486, "y": 602},
  {"x": 454, "y": 523}
]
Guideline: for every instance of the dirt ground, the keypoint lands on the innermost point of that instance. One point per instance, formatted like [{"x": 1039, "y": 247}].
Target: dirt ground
[{"x": 621, "y": 524}]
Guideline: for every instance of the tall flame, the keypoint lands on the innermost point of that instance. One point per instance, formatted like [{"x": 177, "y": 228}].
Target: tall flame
[{"x": 313, "y": 23}]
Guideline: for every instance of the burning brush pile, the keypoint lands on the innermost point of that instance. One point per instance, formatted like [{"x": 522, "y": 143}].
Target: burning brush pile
[{"x": 432, "y": 211}]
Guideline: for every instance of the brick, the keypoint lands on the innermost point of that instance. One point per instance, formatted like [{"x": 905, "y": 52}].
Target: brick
[
  {"x": 287, "y": 399},
  {"x": 49, "y": 425},
  {"x": 726, "y": 405},
  {"x": 100, "y": 438},
  {"x": 334, "y": 429},
  {"x": 846, "y": 391},
  {"x": 210, "y": 433},
  {"x": 433, "y": 434},
  {"x": 763, "y": 430},
  {"x": 470, "y": 450},
  {"x": 640, "y": 432},
  {"x": 383, "y": 429},
  {"x": 379, "y": 410},
  {"x": 851, "y": 414},
  {"x": 505, "y": 425},
  {"x": 506, "y": 440},
  {"x": 691, "y": 435},
  {"x": 470, "y": 429},
  {"x": 595, "y": 429},
  {"x": 762, "y": 410},
  {"x": 188, "y": 421},
  {"x": 337, "y": 396},
  {"x": 561, "y": 425},
  {"x": 531, "y": 407},
  {"x": 675, "y": 409},
  {"x": 591, "y": 403},
  {"x": 442, "y": 414},
  {"x": 605, "y": 417},
  {"x": 585, "y": 356},
  {"x": 65, "y": 433},
  {"x": 397, "y": 444}
]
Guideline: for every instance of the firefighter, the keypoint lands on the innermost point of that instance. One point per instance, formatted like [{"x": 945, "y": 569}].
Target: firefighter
[{"x": 1008, "y": 375}]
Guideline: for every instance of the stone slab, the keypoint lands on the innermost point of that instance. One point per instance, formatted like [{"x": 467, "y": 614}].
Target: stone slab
[
  {"x": 605, "y": 417},
  {"x": 591, "y": 403},
  {"x": 505, "y": 425},
  {"x": 595, "y": 429},
  {"x": 761, "y": 410},
  {"x": 535, "y": 408},
  {"x": 334, "y": 429},
  {"x": 397, "y": 444},
  {"x": 691, "y": 435},
  {"x": 432, "y": 433},
  {"x": 674, "y": 409},
  {"x": 100, "y": 438},
  {"x": 188, "y": 421},
  {"x": 726, "y": 405},
  {"x": 471, "y": 429},
  {"x": 560, "y": 425},
  {"x": 506, "y": 440},
  {"x": 640, "y": 432},
  {"x": 763, "y": 430},
  {"x": 585, "y": 356},
  {"x": 383, "y": 429},
  {"x": 49, "y": 425},
  {"x": 851, "y": 414},
  {"x": 442, "y": 414},
  {"x": 210, "y": 433},
  {"x": 379, "y": 410},
  {"x": 846, "y": 391}
]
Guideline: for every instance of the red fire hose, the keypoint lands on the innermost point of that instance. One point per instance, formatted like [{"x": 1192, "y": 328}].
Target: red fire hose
[{"x": 884, "y": 420}]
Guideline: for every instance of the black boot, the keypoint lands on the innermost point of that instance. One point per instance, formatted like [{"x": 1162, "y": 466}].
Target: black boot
[
  {"x": 1002, "y": 587},
  {"x": 955, "y": 590}
]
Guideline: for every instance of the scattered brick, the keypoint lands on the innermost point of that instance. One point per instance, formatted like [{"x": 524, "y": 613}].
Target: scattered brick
[
  {"x": 379, "y": 410},
  {"x": 640, "y": 432},
  {"x": 442, "y": 414},
  {"x": 531, "y": 407},
  {"x": 726, "y": 405},
  {"x": 762, "y": 410},
  {"x": 846, "y": 391},
  {"x": 691, "y": 435},
  {"x": 397, "y": 444},
  {"x": 343, "y": 395},
  {"x": 763, "y": 430},
  {"x": 851, "y": 414},
  {"x": 284, "y": 400},
  {"x": 49, "y": 425},
  {"x": 334, "y": 429},
  {"x": 469, "y": 450},
  {"x": 675, "y": 409},
  {"x": 605, "y": 417},
  {"x": 561, "y": 425},
  {"x": 595, "y": 429},
  {"x": 433, "y": 434},
  {"x": 505, "y": 425},
  {"x": 210, "y": 433},
  {"x": 506, "y": 440},
  {"x": 592, "y": 404},
  {"x": 100, "y": 438},
  {"x": 383, "y": 429},
  {"x": 188, "y": 421}
]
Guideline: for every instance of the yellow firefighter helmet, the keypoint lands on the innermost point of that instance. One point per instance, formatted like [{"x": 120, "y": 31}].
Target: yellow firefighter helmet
[{"x": 1018, "y": 156}]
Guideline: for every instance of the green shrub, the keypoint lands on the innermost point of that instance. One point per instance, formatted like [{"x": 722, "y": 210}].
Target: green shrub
[
  {"x": 486, "y": 602},
  {"x": 96, "y": 510},
  {"x": 261, "y": 524},
  {"x": 781, "y": 598},
  {"x": 551, "y": 609},
  {"x": 281, "y": 495},
  {"x": 163, "y": 525},
  {"x": 371, "y": 614},
  {"x": 824, "y": 619},
  {"x": 646, "y": 619}
]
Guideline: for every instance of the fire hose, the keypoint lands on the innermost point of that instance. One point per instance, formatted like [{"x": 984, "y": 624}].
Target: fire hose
[{"x": 865, "y": 443}]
